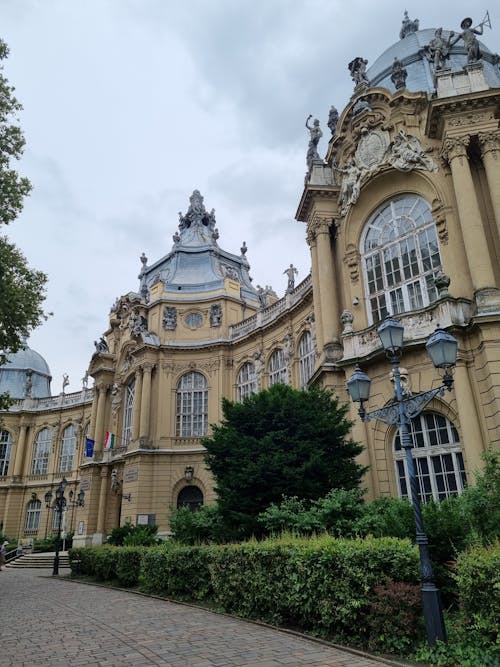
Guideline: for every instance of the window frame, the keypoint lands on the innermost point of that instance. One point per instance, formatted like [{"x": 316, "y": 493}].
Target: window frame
[
  {"x": 67, "y": 449},
  {"x": 191, "y": 405},
  {"x": 277, "y": 368},
  {"x": 306, "y": 358},
  {"x": 400, "y": 256},
  {"x": 41, "y": 452},
  {"x": 246, "y": 382},
  {"x": 33, "y": 515},
  {"x": 6, "y": 442},
  {"x": 437, "y": 456},
  {"x": 128, "y": 413}
]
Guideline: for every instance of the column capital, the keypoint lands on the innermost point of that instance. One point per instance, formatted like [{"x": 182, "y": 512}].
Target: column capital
[
  {"x": 455, "y": 147},
  {"x": 148, "y": 367},
  {"x": 489, "y": 142}
]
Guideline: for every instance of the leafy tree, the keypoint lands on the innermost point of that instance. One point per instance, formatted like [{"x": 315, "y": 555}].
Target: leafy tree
[
  {"x": 22, "y": 289},
  {"x": 280, "y": 442}
]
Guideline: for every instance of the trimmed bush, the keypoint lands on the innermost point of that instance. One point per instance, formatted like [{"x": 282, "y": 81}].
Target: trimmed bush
[
  {"x": 128, "y": 565},
  {"x": 478, "y": 579},
  {"x": 395, "y": 619},
  {"x": 177, "y": 571}
]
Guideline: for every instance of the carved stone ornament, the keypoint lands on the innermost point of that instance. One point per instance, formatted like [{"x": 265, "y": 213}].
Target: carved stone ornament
[
  {"x": 442, "y": 282},
  {"x": 455, "y": 148},
  {"x": 372, "y": 148},
  {"x": 351, "y": 260},
  {"x": 347, "y": 318},
  {"x": 490, "y": 143},
  {"x": 215, "y": 315},
  {"x": 169, "y": 318},
  {"x": 116, "y": 399},
  {"x": 193, "y": 320},
  {"x": 406, "y": 153}
]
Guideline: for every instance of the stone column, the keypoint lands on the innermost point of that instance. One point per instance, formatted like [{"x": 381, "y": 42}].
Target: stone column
[
  {"x": 99, "y": 427},
  {"x": 330, "y": 315},
  {"x": 147, "y": 370},
  {"x": 137, "y": 404},
  {"x": 490, "y": 148},
  {"x": 20, "y": 453},
  {"x": 476, "y": 245},
  {"x": 472, "y": 435},
  {"x": 311, "y": 239},
  {"x": 93, "y": 414},
  {"x": 103, "y": 495}
]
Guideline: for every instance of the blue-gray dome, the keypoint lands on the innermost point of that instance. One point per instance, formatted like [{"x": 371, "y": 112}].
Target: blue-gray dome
[
  {"x": 25, "y": 374},
  {"x": 196, "y": 263},
  {"x": 410, "y": 51}
]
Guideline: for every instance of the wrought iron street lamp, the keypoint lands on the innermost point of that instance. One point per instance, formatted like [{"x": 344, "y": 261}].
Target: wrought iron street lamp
[
  {"x": 59, "y": 505},
  {"x": 442, "y": 348}
]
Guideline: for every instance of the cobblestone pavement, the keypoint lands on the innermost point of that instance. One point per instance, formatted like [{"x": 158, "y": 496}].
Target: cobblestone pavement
[{"x": 49, "y": 622}]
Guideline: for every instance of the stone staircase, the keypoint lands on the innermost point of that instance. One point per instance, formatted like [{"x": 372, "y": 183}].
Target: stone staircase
[{"x": 40, "y": 561}]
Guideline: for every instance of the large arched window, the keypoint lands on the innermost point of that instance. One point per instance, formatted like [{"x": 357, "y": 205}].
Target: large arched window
[
  {"x": 192, "y": 405},
  {"x": 5, "y": 451},
  {"x": 190, "y": 496},
  {"x": 247, "y": 381},
  {"x": 400, "y": 257},
  {"x": 277, "y": 368},
  {"x": 33, "y": 513},
  {"x": 128, "y": 412},
  {"x": 306, "y": 358},
  {"x": 439, "y": 464},
  {"x": 41, "y": 454},
  {"x": 67, "y": 452}
]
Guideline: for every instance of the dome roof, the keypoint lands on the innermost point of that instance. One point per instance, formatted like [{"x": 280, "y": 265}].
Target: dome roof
[
  {"x": 410, "y": 51},
  {"x": 196, "y": 262},
  {"x": 26, "y": 373}
]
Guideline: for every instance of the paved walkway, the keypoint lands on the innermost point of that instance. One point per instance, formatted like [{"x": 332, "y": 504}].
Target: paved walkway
[{"x": 49, "y": 622}]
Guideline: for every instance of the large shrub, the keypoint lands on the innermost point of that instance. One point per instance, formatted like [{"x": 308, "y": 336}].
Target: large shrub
[
  {"x": 203, "y": 526},
  {"x": 128, "y": 565}
]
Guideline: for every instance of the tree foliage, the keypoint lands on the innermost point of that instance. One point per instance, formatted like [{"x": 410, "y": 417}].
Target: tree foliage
[
  {"x": 22, "y": 289},
  {"x": 280, "y": 442}
]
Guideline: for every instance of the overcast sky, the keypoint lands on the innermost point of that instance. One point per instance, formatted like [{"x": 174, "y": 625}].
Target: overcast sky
[{"x": 129, "y": 105}]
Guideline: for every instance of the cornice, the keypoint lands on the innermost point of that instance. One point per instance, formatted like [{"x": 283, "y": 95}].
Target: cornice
[{"x": 469, "y": 103}]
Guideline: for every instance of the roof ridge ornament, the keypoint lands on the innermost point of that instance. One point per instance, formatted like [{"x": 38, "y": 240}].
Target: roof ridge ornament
[
  {"x": 408, "y": 26},
  {"x": 197, "y": 227}
]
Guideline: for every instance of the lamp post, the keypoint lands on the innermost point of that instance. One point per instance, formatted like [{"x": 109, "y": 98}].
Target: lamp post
[
  {"x": 59, "y": 505},
  {"x": 442, "y": 348}
]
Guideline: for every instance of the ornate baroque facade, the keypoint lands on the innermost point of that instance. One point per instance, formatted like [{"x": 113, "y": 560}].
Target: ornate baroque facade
[{"x": 402, "y": 216}]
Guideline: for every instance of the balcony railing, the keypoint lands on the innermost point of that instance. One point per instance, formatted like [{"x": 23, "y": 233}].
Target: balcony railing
[{"x": 50, "y": 402}]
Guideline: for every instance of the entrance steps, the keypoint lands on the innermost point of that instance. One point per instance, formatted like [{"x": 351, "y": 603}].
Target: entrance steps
[{"x": 40, "y": 561}]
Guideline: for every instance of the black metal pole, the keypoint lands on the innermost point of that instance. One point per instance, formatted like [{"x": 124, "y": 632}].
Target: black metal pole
[
  {"x": 431, "y": 596},
  {"x": 59, "y": 508}
]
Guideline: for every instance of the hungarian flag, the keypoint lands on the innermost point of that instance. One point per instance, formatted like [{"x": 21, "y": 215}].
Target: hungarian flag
[{"x": 109, "y": 440}]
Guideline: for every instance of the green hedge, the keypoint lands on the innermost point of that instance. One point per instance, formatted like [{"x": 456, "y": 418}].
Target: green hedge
[{"x": 478, "y": 579}]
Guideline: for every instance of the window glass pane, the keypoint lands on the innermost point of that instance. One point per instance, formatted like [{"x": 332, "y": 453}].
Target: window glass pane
[
  {"x": 439, "y": 475},
  {"x": 5, "y": 452},
  {"x": 192, "y": 405}
]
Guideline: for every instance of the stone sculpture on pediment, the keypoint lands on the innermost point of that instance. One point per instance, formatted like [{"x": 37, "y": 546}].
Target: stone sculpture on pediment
[
  {"x": 101, "y": 346},
  {"x": 215, "y": 315},
  {"x": 351, "y": 185},
  {"x": 116, "y": 399},
  {"x": 437, "y": 51},
  {"x": 357, "y": 69},
  {"x": 333, "y": 119},
  {"x": 406, "y": 153}
]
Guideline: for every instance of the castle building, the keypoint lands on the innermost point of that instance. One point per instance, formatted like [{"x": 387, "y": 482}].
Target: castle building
[{"x": 402, "y": 216}]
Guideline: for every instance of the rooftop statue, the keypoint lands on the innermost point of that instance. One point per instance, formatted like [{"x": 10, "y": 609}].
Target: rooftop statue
[
  {"x": 398, "y": 74},
  {"x": 291, "y": 272},
  {"x": 333, "y": 119},
  {"x": 357, "y": 68},
  {"x": 408, "y": 26},
  {"x": 468, "y": 35},
  {"x": 438, "y": 49},
  {"x": 315, "y": 135}
]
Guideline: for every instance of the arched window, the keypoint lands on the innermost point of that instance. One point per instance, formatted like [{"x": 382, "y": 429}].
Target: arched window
[
  {"x": 190, "y": 496},
  {"x": 400, "y": 257},
  {"x": 67, "y": 452},
  {"x": 192, "y": 405},
  {"x": 33, "y": 512},
  {"x": 277, "y": 368},
  {"x": 5, "y": 451},
  {"x": 306, "y": 358},
  {"x": 41, "y": 454},
  {"x": 247, "y": 381},
  {"x": 439, "y": 464},
  {"x": 128, "y": 411}
]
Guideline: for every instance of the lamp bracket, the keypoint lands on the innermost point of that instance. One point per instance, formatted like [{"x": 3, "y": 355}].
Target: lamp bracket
[{"x": 412, "y": 407}]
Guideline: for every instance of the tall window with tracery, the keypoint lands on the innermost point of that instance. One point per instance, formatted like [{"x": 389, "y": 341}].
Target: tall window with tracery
[
  {"x": 277, "y": 368},
  {"x": 400, "y": 257},
  {"x": 192, "y": 405},
  {"x": 306, "y": 358},
  {"x": 67, "y": 451},
  {"x": 247, "y": 381},
  {"x": 41, "y": 455},
  {"x": 33, "y": 512},
  {"x": 5, "y": 452},
  {"x": 437, "y": 453},
  {"x": 128, "y": 413}
]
